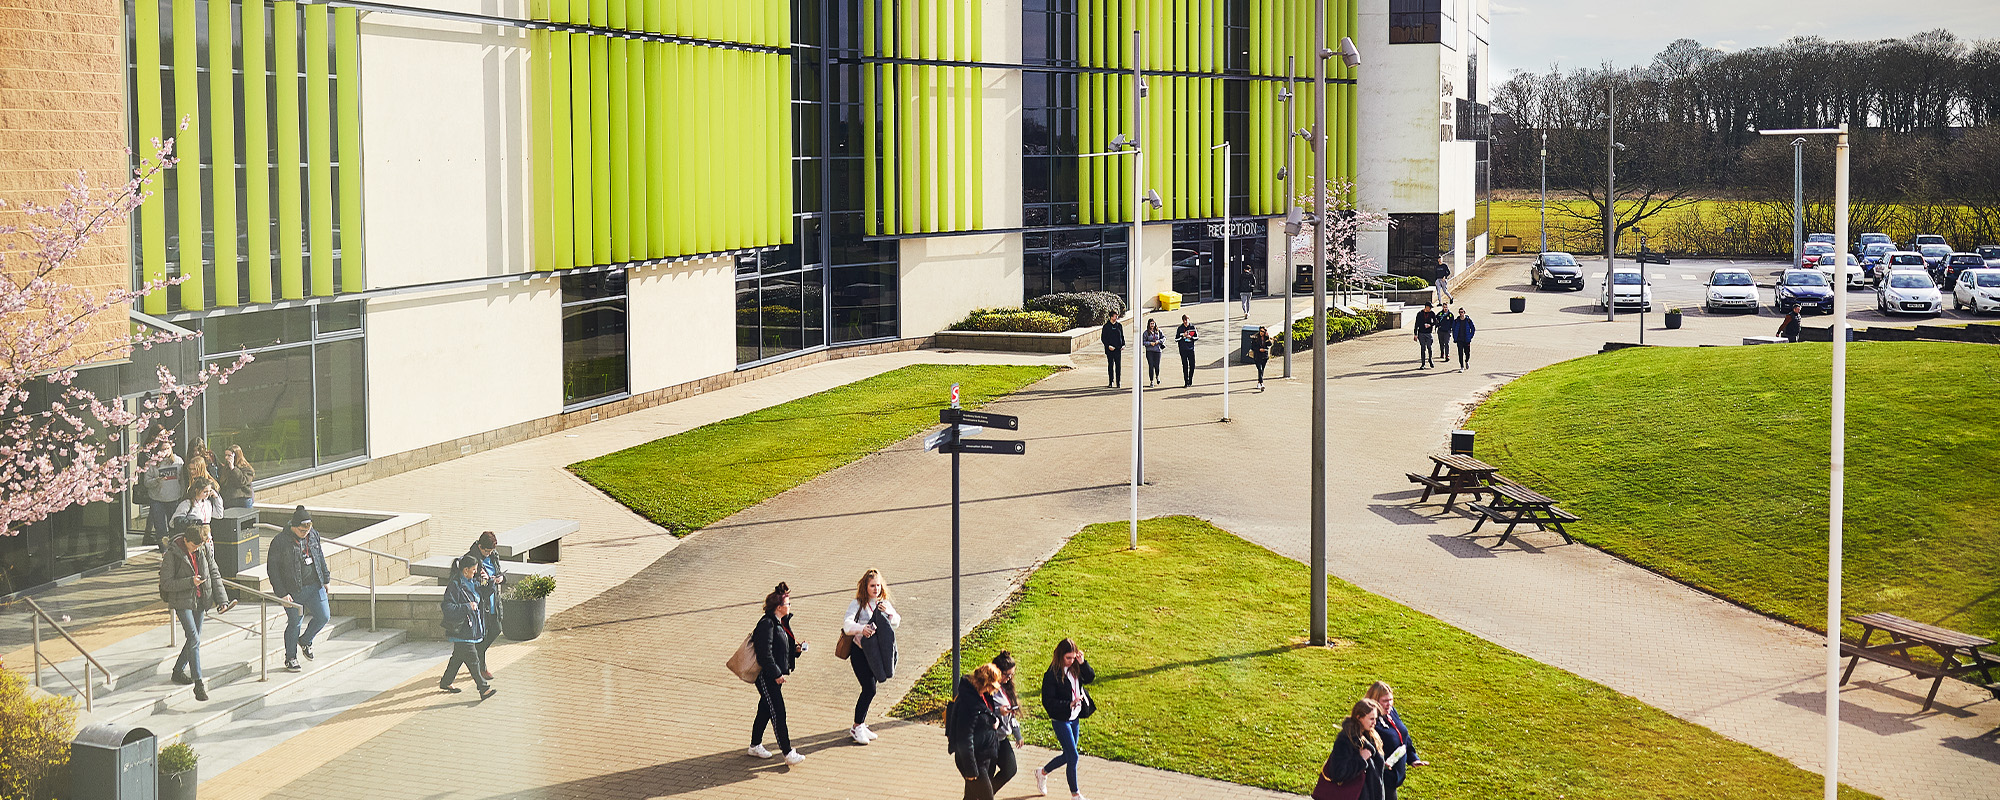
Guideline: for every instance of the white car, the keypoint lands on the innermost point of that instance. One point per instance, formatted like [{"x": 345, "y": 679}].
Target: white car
[
  {"x": 1908, "y": 291},
  {"x": 1898, "y": 259},
  {"x": 1731, "y": 287},
  {"x": 1857, "y": 277},
  {"x": 1978, "y": 289},
  {"x": 1633, "y": 289}
]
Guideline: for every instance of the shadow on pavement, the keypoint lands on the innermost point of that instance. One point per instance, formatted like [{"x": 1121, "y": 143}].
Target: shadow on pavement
[
  {"x": 1400, "y": 514},
  {"x": 1868, "y": 719},
  {"x": 1460, "y": 546},
  {"x": 1985, "y": 747}
]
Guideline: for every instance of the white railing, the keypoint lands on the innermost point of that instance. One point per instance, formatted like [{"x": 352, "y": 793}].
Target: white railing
[{"x": 373, "y": 560}]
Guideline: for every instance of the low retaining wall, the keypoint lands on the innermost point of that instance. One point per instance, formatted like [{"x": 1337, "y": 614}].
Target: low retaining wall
[
  {"x": 405, "y": 535},
  {"x": 413, "y": 608},
  {"x": 1070, "y": 341},
  {"x": 1974, "y": 333}
]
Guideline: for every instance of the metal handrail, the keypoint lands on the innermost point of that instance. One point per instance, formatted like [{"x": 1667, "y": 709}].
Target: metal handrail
[
  {"x": 89, "y": 700},
  {"x": 372, "y": 555}
]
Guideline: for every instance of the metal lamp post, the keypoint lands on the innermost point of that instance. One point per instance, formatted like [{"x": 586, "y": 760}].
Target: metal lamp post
[
  {"x": 1611, "y": 207},
  {"x": 1545, "y": 193},
  {"x": 1226, "y": 269},
  {"x": 1838, "y": 462},
  {"x": 1288, "y": 175},
  {"x": 1799, "y": 202}
]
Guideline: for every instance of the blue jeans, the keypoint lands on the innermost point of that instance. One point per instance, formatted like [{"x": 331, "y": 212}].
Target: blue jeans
[
  {"x": 1066, "y": 733},
  {"x": 243, "y": 502},
  {"x": 189, "y": 663},
  {"x": 314, "y": 602}
]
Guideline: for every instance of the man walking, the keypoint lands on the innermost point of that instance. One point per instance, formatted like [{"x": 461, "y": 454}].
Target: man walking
[
  {"x": 1442, "y": 325},
  {"x": 1790, "y": 327},
  {"x": 1443, "y": 283},
  {"x": 298, "y": 574},
  {"x": 1246, "y": 286},
  {"x": 1185, "y": 336},
  {"x": 1425, "y": 319},
  {"x": 165, "y": 487},
  {"x": 1114, "y": 347},
  {"x": 1464, "y": 331}
]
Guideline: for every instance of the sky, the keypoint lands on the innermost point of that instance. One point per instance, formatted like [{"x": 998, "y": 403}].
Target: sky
[{"x": 1532, "y": 34}]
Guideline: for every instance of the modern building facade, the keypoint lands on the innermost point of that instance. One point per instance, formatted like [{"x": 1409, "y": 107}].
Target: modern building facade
[
  {"x": 445, "y": 225},
  {"x": 1424, "y": 132}
]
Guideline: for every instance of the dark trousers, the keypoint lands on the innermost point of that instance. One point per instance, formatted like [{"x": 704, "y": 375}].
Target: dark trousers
[
  {"x": 1153, "y": 365},
  {"x": 989, "y": 775},
  {"x": 1424, "y": 350},
  {"x": 1114, "y": 363},
  {"x": 1066, "y": 732},
  {"x": 867, "y": 678},
  {"x": 1464, "y": 353},
  {"x": 1261, "y": 363},
  {"x": 157, "y": 517},
  {"x": 465, "y": 654},
  {"x": 770, "y": 711},
  {"x": 1444, "y": 345},
  {"x": 1187, "y": 366},
  {"x": 492, "y": 628}
]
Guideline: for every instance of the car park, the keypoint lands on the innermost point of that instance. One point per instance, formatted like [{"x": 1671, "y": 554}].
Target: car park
[
  {"x": 1978, "y": 290},
  {"x": 1990, "y": 253},
  {"x": 1934, "y": 254},
  {"x": 1898, "y": 259},
  {"x": 1955, "y": 264},
  {"x": 1855, "y": 275},
  {"x": 1908, "y": 291},
  {"x": 1731, "y": 288},
  {"x": 1632, "y": 289},
  {"x": 1556, "y": 270},
  {"x": 1803, "y": 289},
  {"x": 1930, "y": 238}
]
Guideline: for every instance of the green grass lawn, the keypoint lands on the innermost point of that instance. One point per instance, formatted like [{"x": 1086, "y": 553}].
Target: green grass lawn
[
  {"x": 1710, "y": 465},
  {"x": 1197, "y": 642},
  {"x": 690, "y": 480}
]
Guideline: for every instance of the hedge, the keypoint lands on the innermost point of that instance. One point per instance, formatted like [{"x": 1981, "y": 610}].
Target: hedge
[
  {"x": 1340, "y": 325},
  {"x": 1012, "y": 320},
  {"x": 1082, "y": 309}
]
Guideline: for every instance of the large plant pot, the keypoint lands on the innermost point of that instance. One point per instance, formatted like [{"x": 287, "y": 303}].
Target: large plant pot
[
  {"x": 1517, "y": 304},
  {"x": 524, "y": 619},
  {"x": 1673, "y": 322},
  {"x": 178, "y": 786}
]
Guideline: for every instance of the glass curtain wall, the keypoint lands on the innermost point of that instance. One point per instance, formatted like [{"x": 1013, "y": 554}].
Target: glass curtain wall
[
  {"x": 595, "y": 338},
  {"x": 302, "y": 404},
  {"x": 1090, "y": 259}
]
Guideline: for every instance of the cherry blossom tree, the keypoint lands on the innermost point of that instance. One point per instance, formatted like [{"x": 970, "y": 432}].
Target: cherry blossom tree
[
  {"x": 1345, "y": 264},
  {"x": 59, "y": 442}
]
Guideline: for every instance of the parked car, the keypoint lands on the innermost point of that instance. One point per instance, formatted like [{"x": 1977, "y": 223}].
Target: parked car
[
  {"x": 1803, "y": 289},
  {"x": 1978, "y": 290},
  {"x": 1856, "y": 275},
  {"x": 1897, "y": 259},
  {"x": 1991, "y": 253},
  {"x": 1556, "y": 270},
  {"x": 1872, "y": 253},
  {"x": 1875, "y": 238},
  {"x": 1820, "y": 237},
  {"x": 1632, "y": 289},
  {"x": 1731, "y": 287},
  {"x": 1813, "y": 251},
  {"x": 1957, "y": 263},
  {"x": 1908, "y": 291},
  {"x": 1934, "y": 255},
  {"x": 1930, "y": 238}
]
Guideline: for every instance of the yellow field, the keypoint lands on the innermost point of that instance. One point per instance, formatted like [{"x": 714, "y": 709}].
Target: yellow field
[{"x": 1739, "y": 227}]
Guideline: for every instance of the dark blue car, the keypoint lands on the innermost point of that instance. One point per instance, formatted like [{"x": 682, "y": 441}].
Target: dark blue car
[{"x": 1804, "y": 289}]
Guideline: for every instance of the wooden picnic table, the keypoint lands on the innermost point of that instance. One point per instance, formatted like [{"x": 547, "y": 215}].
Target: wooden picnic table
[
  {"x": 1959, "y": 651},
  {"x": 1454, "y": 475},
  {"x": 1514, "y": 504}
]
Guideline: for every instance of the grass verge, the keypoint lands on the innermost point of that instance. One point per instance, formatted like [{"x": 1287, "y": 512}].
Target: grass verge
[
  {"x": 690, "y": 480},
  {"x": 1710, "y": 465},
  {"x": 1198, "y": 645}
]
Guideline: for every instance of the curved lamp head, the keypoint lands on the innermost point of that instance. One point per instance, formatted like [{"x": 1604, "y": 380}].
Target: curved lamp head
[
  {"x": 1119, "y": 142},
  {"x": 1349, "y": 55},
  {"x": 1152, "y": 198}
]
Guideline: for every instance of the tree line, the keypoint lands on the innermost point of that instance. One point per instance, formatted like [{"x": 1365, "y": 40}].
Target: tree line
[{"x": 1924, "y": 112}]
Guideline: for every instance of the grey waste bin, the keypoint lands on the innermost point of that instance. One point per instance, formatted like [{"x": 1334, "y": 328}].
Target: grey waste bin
[
  {"x": 113, "y": 762},
  {"x": 1461, "y": 443},
  {"x": 236, "y": 541}
]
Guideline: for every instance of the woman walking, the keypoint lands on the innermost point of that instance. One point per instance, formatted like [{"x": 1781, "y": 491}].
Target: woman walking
[
  {"x": 490, "y": 577},
  {"x": 1067, "y": 703},
  {"x": 871, "y": 625},
  {"x": 1011, "y": 723},
  {"x": 191, "y": 585},
  {"x": 237, "y": 477},
  {"x": 1260, "y": 353},
  {"x": 1353, "y": 771},
  {"x": 1443, "y": 323},
  {"x": 1463, "y": 330},
  {"x": 202, "y": 504},
  {"x": 465, "y": 626},
  {"x": 1402, "y": 752},
  {"x": 973, "y": 724},
  {"x": 777, "y": 652},
  {"x": 1155, "y": 341}
]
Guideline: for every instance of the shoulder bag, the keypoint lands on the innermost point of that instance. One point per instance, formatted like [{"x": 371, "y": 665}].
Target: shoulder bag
[
  {"x": 744, "y": 662},
  {"x": 1351, "y": 790},
  {"x": 845, "y": 646}
]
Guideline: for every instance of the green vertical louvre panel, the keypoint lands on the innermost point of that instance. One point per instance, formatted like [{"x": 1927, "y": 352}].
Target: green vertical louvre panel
[
  {"x": 187, "y": 174},
  {"x": 319, "y": 149},
  {"x": 641, "y": 169},
  {"x": 256, "y": 156},
  {"x": 561, "y": 187},
  {"x": 602, "y": 213},
  {"x": 152, "y": 126},
  {"x": 347, "y": 116},
  {"x": 222, "y": 143},
  {"x": 540, "y": 140},
  {"x": 580, "y": 142},
  {"x": 659, "y": 122},
  {"x": 291, "y": 196},
  {"x": 619, "y": 109}
]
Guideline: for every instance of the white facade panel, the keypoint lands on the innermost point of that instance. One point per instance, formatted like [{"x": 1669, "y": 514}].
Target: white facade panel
[
  {"x": 452, "y": 364},
  {"x": 683, "y": 322},
  {"x": 944, "y": 277}
]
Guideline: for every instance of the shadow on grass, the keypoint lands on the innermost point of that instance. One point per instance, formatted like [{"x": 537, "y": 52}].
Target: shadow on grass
[
  {"x": 924, "y": 506},
  {"x": 1202, "y": 662},
  {"x": 758, "y": 603}
]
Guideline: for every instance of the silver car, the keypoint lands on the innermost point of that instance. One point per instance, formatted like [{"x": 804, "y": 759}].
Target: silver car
[{"x": 1730, "y": 288}]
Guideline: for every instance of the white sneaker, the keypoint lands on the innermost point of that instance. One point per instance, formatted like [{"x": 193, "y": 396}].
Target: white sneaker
[
  {"x": 760, "y": 752},
  {"x": 1041, "y": 782},
  {"x": 859, "y": 734},
  {"x": 869, "y": 732},
  {"x": 794, "y": 757}
]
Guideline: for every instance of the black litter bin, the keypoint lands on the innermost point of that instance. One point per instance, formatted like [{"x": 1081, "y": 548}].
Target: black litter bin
[
  {"x": 113, "y": 762},
  {"x": 1461, "y": 443},
  {"x": 237, "y": 541}
]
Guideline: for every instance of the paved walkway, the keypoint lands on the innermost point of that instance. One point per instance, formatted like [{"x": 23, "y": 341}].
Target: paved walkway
[{"x": 627, "y": 698}]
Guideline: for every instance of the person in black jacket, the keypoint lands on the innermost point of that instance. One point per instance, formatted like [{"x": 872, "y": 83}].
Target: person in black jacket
[
  {"x": 1185, "y": 336},
  {"x": 1114, "y": 347},
  {"x": 1790, "y": 327},
  {"x": 298, "y": 573},
  {"x": 1463, "y": 330},
  {"x": 1067, "y": 703},
  {"x": 1395, "y": 737},
  {"x": 1425, "y": 319},
  {"x": 464, "y": 626},
  {"x": 490, "y": 577},
  {"x": 191, "y": 585},
  {"x": 1443, "y": 324},
  {"x": 1260, "y": 353},
  {"x": 777, "y": 652},
  {"x": 975, "y": 739},
  {"x": 1357, "y": 752}
]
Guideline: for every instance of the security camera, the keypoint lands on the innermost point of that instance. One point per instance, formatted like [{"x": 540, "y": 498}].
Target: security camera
[
  {"x": 1152, "y": 198},
  {"x": 1349, "y": 55},
  {"x": 1119, "y": 142}
]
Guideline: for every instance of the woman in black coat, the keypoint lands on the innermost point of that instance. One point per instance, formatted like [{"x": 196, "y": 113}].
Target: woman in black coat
[
  {"x": 1260, "y": 353},
  {"x": 777, "y": 651},
  {"x": 1354, "y": 768},
  {"x": 973, "y": 729},
  {"x": 1067, "y": 703},
  {"x": 1395, "y": 736}
]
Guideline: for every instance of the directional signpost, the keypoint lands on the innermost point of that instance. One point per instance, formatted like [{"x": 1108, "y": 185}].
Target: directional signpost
[{"x": 952, "y": 440}]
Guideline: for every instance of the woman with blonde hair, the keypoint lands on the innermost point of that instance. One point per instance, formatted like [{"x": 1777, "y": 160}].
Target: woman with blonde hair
[
  {"x": 870, "y": 627},
  {"x": 1401, "y": 749},
  {"x": 973, "y": 726},
  {"x": 1353, "y": 771}
]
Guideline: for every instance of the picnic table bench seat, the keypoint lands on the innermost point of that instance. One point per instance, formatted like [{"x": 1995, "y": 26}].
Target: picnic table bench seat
[
  {"x": 1897, "y": 660},
  {"x": 1960, "y": 652}
]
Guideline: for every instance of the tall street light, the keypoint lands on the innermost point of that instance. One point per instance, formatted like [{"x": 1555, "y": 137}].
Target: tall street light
[
  {"x": 1120, "y": 145},
  {"x": 1545, "y": 192},
  {"x": 1838, "y": 467},
  {"x": 1611, "y": 148},
  {"x": 1292, "y": 221},
  {"x": 1799, "y": 203},
  {"x": 1226, "y": 269},
  {"x": 1352, "y": 58}
]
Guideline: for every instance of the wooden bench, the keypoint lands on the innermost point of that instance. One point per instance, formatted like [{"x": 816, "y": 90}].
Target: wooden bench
[
  {"x": 1515, "y": 504},
  {"x": 439, "y": 567},
  {"x": 539, "y": 541},
  {"x": 1959, "y": 653}
]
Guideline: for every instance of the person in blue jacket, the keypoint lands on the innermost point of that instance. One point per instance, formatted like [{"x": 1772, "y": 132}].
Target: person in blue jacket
[
  {"x": 465, "y": 626},
  {"x": 1462, "y": 330},
  {"x": 489, "y": 578}
]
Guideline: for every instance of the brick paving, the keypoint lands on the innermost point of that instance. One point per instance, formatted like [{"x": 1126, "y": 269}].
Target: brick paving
[{"x": 626, "y": 697}]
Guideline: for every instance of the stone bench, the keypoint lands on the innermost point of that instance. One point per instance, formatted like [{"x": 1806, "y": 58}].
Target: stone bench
[
  {"x": 539, "y": 541},
  {"x": 439, "y": 567}
]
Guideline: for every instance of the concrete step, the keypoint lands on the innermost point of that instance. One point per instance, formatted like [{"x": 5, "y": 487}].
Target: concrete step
[
  {"x": 145, "y": 687},
  {"x": 148, "y": 654}
]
